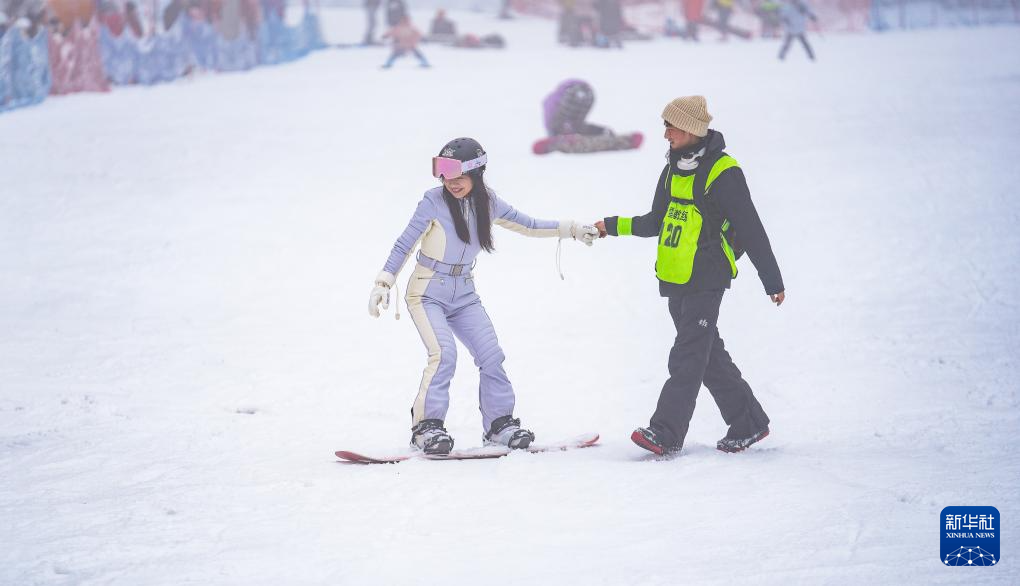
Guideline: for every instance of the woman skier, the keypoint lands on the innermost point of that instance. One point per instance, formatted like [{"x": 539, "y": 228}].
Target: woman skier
[{"x": 454, "y": 223}]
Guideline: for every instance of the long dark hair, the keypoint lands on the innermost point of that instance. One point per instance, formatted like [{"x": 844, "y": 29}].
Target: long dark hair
[{"x": 479, "y": 201}]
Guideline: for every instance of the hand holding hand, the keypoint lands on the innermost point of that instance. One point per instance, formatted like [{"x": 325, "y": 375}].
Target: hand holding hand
[
  {"x": 601, "y": 227},
  {"x": 585, "y": 233},
  {"x": 778, "y": 298}
]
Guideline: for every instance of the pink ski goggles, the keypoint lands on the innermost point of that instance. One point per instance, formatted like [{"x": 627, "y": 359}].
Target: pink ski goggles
[{"x": 446, "y": 168}]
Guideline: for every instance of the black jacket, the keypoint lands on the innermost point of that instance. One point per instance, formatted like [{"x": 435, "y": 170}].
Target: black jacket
[
  {"x": 610, "y": 16},
  {"x": 728, "y": 199},
  {"x": 396, "y": 10}
]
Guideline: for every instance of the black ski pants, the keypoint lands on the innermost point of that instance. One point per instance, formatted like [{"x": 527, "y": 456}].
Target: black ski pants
[
  {"x": 803, "y": 41},
  {"x": 699, "y": 356}
]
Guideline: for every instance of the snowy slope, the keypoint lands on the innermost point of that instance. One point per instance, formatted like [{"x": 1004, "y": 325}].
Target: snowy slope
[{"x": 185, "y": 272}]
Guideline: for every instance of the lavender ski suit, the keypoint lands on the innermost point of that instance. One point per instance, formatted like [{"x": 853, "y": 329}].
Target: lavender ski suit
[{"x": 442, "y": 302}]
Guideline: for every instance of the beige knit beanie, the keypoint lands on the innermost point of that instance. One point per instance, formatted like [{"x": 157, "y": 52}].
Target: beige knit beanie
[{"x": 688, "y": 113}]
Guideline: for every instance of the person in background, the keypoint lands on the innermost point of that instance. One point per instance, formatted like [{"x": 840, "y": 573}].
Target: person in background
[
  {"x": 569, "y": 29},
  {"x": 442, "y": 26},
  {"x": 724, "y": 8},
  {"x": 371, "y": 8},
  {"x": 692, "y": 16},
  {"x": 396, "y": 10},
  {"x": 672, "y": 29},
  {"x": 610, "y": 22},
  {"x": 405, "y": 40},
  {"x": 795, "y": 14},
  {"x": 768, "y": 13}
]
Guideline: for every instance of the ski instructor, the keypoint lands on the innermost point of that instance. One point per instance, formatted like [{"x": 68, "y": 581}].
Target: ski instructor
[{"x": 704, "y": 219}]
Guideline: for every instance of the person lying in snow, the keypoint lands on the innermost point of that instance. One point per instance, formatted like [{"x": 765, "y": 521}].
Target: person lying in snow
[
  {"x": 444, "y": 31},
  {"x": 566, "y": 109}
]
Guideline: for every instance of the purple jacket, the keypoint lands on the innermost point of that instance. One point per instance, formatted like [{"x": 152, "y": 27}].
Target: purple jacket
[
  {"x": 433, "y": 226},
  {"x": 567, "y": 106}
]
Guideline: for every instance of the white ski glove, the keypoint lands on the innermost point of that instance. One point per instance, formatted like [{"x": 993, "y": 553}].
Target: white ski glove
[
  {"x": 584, "y": 233},
  {"x": 380, "y": 293}
]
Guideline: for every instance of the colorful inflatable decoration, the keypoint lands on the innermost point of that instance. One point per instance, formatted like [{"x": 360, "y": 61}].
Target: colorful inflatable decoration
[
  {"x": 24, "y": 69},
  {"x": 76, "y": 63},
  {"x": 87, "y": 55},
  {"x": 72, "y": 11}
]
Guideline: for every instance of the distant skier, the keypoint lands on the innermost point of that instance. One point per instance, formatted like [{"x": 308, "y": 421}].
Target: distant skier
[
  {"x": 724, "y": 10},
  {"x": 396, "y": 10},
  {"x": 767, "y": 12},
  {"x": 442, "y": 27},
  {"x": 672, "y": 29},
  {"x": 454, "y": 224},
  {"x": 692, "y": 14},
  {"x": 700, "y": 201},
  {"x": 371, "y": 8},
  {"x": 405, "y": 40},
  {"x": 610, "y": 22},
  {"x": 794, "y": 14}
]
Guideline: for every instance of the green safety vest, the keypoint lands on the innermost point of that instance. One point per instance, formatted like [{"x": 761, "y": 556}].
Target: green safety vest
[{"x": 681, "y": 230}]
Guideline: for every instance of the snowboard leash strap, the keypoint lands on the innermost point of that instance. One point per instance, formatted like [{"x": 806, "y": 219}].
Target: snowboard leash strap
[
  {"x": 559, "y": 268},
  {"x": 396, "y": 289}
]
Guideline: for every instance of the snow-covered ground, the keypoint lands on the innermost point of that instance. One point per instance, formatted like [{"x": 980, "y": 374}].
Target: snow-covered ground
[{"x": 185, "y": 270}]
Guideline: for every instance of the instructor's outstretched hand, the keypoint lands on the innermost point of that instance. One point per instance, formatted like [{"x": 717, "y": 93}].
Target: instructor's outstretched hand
[
  {"x": 601, "y": 227},
  {"x": 778, "y": 298}
]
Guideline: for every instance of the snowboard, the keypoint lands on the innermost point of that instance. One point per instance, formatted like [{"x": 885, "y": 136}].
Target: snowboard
[
  {"x": 482, "y": 453},
  {"x": 579, "y": 143}
]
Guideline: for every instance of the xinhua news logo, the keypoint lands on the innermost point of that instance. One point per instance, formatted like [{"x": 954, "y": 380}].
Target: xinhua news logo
[{"x": 970, "y": 536}]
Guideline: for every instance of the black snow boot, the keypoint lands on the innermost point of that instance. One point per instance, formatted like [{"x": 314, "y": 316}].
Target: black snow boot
[
  {"x": 647, "y": 438},
  {"x": 431, "y": 437},
  {"x": 506, "y": 431},
  {"x": 739, "y": 444}
]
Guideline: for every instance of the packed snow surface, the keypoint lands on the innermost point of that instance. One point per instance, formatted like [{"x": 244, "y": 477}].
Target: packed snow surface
[{"x": 185, "y": 270}]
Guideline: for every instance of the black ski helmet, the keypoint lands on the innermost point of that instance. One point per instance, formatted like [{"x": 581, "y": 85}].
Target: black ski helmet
[{"x": 464, "y": 149}]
